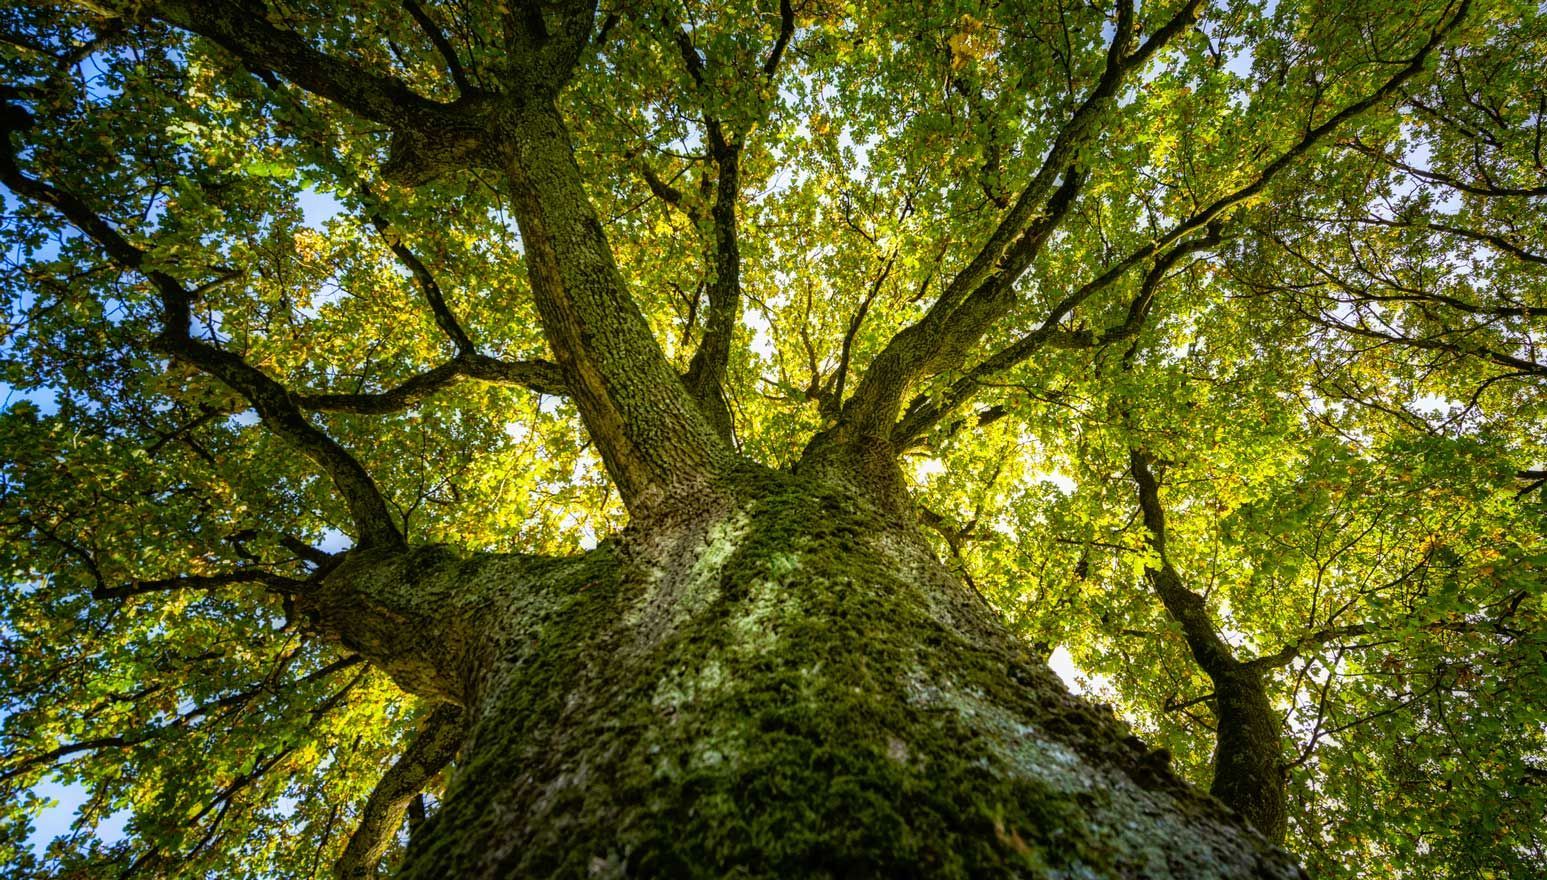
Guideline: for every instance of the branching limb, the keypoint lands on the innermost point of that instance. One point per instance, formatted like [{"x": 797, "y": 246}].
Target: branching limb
[
  {"x": 668, "y": 193},
  {"x": 1485, "y": 189},
  {"x": 245, "y": 29},
  {"x": 1247, "y": 750},
  {"x": 1309, "y": 141},
  {"x": 204, "y": 710},
  {"x": 1497, "y": 626},
  {"x": 651, "y": 433},
  {"x": 923, "y": 413},
  {"x": 1434, "y": 343},
  {"x": 705, "y": 377},
  {"x": 272, "y": 401},
  {"x": 1493, "y": 240},
  {"x": 431, "y": 750},
  {"x": 426, "y": 279},
  {"x": 939, "y": 334},
  {"x": 320, "y": 559},
  {"x": 782, "y": 41},
  {"x": 538, "y": 375},
  {"x": 832, "y": 401},
  {"x": 429, "y": 137},
  {"x": 1185, "y": 607},
  {"x": 1536, "y": 479},
  {"x": 983, "y": 291},
  {"x": 706, "y": 373},
  {"x": 437, "y": 37},
  {"x": 275, "y": 582},
  {"x": 1400, "y": 293}
]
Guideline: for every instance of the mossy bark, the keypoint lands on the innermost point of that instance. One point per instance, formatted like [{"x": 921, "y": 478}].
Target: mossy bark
[{"x": 787, "y": 684}]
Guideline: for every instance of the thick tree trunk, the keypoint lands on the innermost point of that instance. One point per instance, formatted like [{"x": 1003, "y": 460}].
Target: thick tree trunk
[{"x": 785, "y": 685}]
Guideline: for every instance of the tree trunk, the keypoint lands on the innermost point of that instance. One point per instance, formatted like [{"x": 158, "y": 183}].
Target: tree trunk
[{"x": 783, "y": 684}]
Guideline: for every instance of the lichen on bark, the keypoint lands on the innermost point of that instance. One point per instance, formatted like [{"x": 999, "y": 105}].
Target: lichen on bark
[{"x": 787, "y": 686}]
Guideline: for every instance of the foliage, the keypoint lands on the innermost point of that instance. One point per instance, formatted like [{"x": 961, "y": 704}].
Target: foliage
[{"x": 1324, "y": 323}]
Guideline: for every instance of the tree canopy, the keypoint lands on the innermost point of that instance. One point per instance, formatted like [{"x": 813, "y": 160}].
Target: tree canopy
[{"x": 1208, "y": 334}]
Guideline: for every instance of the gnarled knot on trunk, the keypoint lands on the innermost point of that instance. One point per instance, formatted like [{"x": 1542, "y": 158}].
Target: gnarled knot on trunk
[{"x": 417, "y": 156}]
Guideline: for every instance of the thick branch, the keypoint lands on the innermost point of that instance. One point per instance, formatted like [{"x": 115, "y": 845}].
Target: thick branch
[
  {"x": 245, "y": 29},
  {"x": 271, "y": 400},
  {"x": 1248, "y": 771},
  {"x": 923, "y": 413},
  {"x": 706, "y": 373},
  {"x": 781, "y": 42},
  {"x": 272, "y": 581},
  {"x": 442, "y": 45},
  {"x": 651, "y": 433},
  {"x": 921, "y": 419},
  {"x": 1184, "y": 606},
  {"x": 706, "y": 377},
  {"x": 429, "y": 137},
  {"x": 432, "y": 749},
  {"x": 983, "y": 291}
]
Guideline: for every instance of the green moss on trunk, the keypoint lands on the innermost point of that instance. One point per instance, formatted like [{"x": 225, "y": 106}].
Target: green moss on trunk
[{"x": 795, "y": 689}]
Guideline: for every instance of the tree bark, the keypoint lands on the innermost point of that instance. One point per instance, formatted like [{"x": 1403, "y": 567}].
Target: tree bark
[
  {"x": 652, "y": 435},
  {"x": 1249, "y": 772},
  {"x": 785, "y": 684}
]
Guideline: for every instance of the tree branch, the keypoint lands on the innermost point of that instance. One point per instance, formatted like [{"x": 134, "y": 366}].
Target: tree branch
[
  {"x": 1498, "y": 242},
  {"x": 1287, "y": 654},
  {"x": 705, "y": 377},
  {"x": 1210, "y": 214},
  {"x": 651, "y": 433},
  {"x": 1521, "y": 365},
  {"x": 134, "y": 738},
  {"x": 782, "y": 42},
  {"x": 1247, "y": 747},
  {"x": 442, "y": 45},
  {"x": 706, "y": 372},
  {"x": 983, "y": 291},
  {"x": 427, "y": 283},
  {"x": 245, "y": 29},
  {"x": 538, "y": 375},
  {"x": 271, "y": 400},
  {"x": 1185, "y": 607},
  {"x": 436, "y": 743},
  {"x": 1486, "y": 191},
  {"x": 275, "y": 582},
  {"x": 832, "y": 403},
  {"x": 923, "y": 413}
]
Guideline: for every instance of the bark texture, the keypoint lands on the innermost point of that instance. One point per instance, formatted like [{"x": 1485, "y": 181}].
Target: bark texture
[{"x": 782, "y": 683}]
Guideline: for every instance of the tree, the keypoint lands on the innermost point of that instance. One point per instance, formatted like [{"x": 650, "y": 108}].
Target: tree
[{"x": 667, "y": 439}]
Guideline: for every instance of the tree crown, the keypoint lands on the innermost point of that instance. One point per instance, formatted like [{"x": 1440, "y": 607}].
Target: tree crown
[{"x": 283, "y": 278}]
